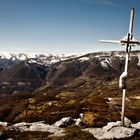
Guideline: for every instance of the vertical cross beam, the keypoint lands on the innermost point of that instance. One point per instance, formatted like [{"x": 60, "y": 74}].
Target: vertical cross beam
[
  {"x": 124, "y": 74},
  {"x": 123, "y": 86},
  {"x": 128, "y": 41}
]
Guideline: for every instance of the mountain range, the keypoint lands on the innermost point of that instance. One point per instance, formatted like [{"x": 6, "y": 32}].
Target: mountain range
[
  {"x": 19, "y": 72},
  {"x": 52, "y": 87}
]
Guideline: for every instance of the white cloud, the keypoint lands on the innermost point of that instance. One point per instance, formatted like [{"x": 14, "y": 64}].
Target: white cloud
[{"x": 103, "y": 2}]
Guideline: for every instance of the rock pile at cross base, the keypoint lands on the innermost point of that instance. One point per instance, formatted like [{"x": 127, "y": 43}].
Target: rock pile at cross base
[{"x": 113, "y": 130}]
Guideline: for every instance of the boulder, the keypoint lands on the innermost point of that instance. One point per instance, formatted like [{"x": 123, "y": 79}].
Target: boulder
[
  {"x": 89, "y": 118},
  {"x": 112, "y": 133},
  {"x": 119, "y": 132}
]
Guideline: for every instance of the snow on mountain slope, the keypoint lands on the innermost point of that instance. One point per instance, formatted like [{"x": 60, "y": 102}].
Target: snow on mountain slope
[
  {"x": 106, "y": 62},
  {"x": 41, "y": 59},
  {"x": 106, "y": 59},
  {"x": 5, "y": 55},
  {"x": 84, "y": 58}
]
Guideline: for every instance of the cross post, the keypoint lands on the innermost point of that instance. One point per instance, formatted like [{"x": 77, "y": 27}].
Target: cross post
[{"x": 128, "y": 41}]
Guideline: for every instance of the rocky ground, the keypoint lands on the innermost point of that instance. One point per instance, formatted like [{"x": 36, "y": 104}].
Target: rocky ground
[{"x": 68, "y": 128}]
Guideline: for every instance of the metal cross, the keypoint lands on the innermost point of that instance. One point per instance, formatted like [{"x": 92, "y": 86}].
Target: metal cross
[{"x": 128, "y": 41}]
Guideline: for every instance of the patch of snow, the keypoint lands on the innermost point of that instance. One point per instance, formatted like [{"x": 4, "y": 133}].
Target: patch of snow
[
  {"x": 72, "y": 55},
  {"x": 97, "y": 56},
  {"x": 32, "y": 55},
  {"x": 22, "y": 56},
  {"x": 6, "y": 55},
  {"x": 54, "y": 61},
  {"x": 48, "y": 59},
  {"x": 83, "y": 58},
  {"x": 105, "y": 62},
  {"x": 32, "y": 61}
]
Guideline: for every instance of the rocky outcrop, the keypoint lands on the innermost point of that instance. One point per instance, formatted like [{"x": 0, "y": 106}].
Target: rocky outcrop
[
  {"x": 113, "y": 130},
  {"x": 36, "y": 126},
  {"x": 113, "y": 133}
]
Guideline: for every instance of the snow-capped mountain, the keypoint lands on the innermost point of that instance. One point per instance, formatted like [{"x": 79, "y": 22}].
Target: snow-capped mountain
[
  {"x": 13, "y": 56},
  {"x": 35, "y": 70},
  {"x": 8, "y": 60},
  {"x": 34, "y": 58},
  {"x": 106, "y": 59}
]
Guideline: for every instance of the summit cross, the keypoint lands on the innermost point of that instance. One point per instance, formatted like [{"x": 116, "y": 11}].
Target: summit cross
[{"x": 128, "y": 42}]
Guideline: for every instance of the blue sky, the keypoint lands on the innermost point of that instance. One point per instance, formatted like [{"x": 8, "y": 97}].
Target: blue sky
[{"x": 65, "y": 26}]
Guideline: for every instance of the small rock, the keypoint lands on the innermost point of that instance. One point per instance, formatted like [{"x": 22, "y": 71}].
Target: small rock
[
  {"x": 4, "y": 124},
  {"x": 81, "y": 115},
  {"x": 80, "y": 123},
  {"x": 136, "y": 126},
  {"x": 64, "y": 122},
  {"x": 127, "y": 122}
]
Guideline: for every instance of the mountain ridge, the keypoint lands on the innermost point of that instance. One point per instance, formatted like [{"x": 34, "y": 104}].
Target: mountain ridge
[
  {"x": 86, "y": 84},
  {"x": 52, "y": 71}
]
